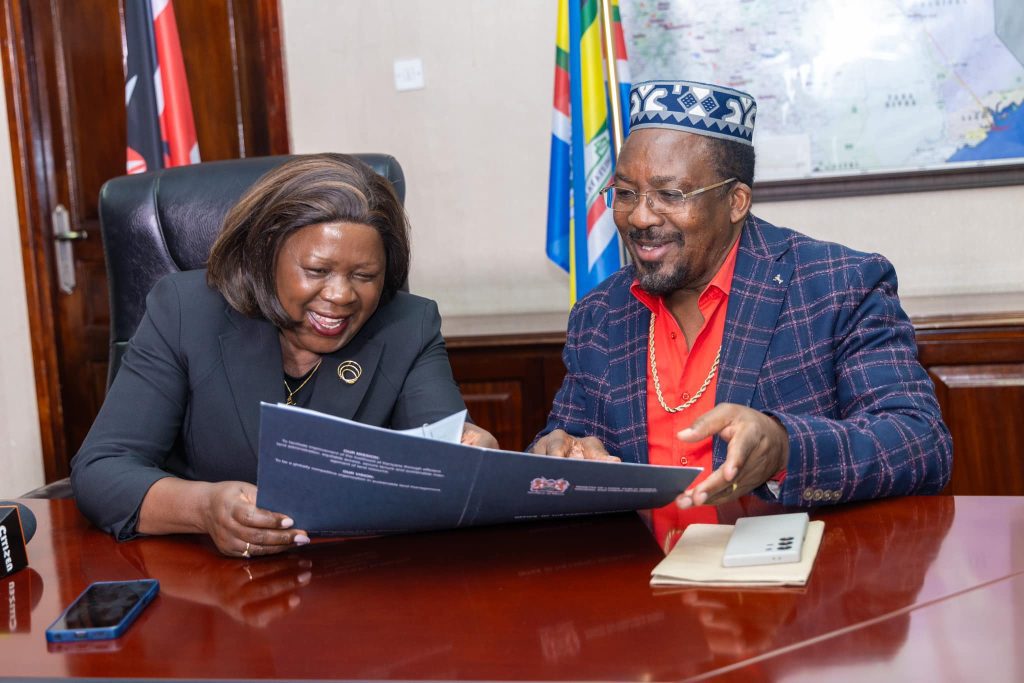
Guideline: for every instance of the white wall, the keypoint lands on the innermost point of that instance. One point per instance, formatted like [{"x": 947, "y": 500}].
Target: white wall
[
  {"x": 21, "y": 460},
  {"x": 474, "y": 144},
  {"x": 953, "y": 242}
]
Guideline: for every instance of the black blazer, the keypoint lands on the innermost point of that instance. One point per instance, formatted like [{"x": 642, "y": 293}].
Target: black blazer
[{"x": 186, "y": 400}]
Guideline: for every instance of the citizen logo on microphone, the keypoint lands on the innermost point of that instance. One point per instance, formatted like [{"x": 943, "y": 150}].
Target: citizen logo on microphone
[
  {"x": 17, "y": 526},
  {"x": 8, "y": 560}
]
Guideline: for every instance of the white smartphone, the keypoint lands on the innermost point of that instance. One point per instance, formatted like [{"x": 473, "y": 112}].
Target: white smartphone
[{"x": 771, "y": 539}]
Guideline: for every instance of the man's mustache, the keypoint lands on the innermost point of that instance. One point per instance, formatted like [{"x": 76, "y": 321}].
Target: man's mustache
[{"x": 650, "y": 237}]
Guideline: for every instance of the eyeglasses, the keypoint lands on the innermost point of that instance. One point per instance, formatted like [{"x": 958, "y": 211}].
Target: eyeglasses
[{"x": 661, "y": 201}]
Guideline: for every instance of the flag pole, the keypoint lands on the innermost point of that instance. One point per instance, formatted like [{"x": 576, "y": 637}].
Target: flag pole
[
  {"x": 612, "y": 71},
  {"x": 614, "y": 101}
]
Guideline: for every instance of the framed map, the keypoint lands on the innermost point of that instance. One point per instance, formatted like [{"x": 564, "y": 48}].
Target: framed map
[{"x": 854, "y": 97}]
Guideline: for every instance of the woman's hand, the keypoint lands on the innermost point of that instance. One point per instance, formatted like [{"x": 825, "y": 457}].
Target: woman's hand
[
  {"x": 225, "y": 510},
  {"x": 477, "y": 436},
  {"x": 240, "y": 529}
]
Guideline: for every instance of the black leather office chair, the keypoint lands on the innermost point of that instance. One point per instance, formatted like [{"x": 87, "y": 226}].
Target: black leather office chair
[{"x": 165, "y": 221}]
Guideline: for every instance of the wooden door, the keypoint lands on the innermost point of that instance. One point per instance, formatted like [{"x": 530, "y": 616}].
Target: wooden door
[{"x": 64, "y": 72}]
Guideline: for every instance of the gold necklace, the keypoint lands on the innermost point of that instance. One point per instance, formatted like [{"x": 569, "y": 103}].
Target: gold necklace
[
  {"x": 291, "y": 392},
  {"x": 657, "y": 382}
]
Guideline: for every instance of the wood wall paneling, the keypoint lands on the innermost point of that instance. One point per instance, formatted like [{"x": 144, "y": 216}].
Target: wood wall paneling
[
  {"x": 508, "y": 388},
  {"x": 497, "y": 404},
  {"x": 983, "y": 406},
  {"x": 977, "y": 364}
]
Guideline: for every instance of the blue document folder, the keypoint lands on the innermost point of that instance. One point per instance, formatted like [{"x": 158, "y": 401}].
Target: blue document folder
[{"x": 342, "y": 478}]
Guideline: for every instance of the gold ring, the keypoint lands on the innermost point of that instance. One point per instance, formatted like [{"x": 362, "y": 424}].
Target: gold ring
[
  {"x": 245, "y": 553},
  {"x": 734, "y": 487}
]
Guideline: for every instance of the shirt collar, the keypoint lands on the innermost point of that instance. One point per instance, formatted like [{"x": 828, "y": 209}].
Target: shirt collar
[{"x": 721, "y": 281}]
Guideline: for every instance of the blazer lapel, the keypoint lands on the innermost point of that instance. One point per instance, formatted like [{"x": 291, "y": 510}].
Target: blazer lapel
[
  {"x": 628, "y": 376},
  {"x": 334, "y": 396},
  {"x": 252, "y": 363},
  {"x": 758, "y": 292}
]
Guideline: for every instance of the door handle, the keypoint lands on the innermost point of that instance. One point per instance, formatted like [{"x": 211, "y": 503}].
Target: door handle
[
  {"x": 63, "y": 236},
  {"x": 71, "y": 236},
  {"x": 62, "y": 226}
]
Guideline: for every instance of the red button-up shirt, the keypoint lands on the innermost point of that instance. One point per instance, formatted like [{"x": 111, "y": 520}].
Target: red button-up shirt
[{"x": 682, "y": 371}]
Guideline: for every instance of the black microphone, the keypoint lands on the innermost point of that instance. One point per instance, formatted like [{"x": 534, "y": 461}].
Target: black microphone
[{"x": 17, "y": 527}]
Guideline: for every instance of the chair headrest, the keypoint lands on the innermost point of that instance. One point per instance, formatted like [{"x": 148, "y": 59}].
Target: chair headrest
[{"x": 165, "y": 221}]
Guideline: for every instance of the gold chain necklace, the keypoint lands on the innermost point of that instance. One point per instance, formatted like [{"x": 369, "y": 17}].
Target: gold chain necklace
[
  {"x": 291, "y": 392},
  {"x": 657, "y": 382}
]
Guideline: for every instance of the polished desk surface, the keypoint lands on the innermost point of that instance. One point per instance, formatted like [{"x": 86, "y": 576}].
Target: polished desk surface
[{"x": 922, "y": 588}]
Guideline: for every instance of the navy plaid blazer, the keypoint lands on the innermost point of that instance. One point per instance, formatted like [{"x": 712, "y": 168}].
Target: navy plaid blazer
[{"x": 814, "y": 335}]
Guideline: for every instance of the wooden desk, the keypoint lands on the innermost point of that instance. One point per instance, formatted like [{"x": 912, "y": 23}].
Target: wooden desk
[{"x": 551, "y": 601}]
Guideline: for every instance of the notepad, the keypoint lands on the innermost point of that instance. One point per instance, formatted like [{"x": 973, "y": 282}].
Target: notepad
[{"x": 696, "y": 560}]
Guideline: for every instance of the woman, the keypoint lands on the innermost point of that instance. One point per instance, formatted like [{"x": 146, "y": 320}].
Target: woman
[{"x": 301, "y": 303}]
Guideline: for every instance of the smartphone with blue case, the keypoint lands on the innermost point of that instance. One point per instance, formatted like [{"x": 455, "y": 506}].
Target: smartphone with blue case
[{"x": 103, "y": 611}]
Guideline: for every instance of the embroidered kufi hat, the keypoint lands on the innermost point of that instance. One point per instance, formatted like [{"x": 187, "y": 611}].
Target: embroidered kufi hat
[{"x": 693, "y": 107}]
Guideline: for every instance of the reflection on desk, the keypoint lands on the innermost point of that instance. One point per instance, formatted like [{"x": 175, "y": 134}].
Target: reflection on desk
[
  {"x": 856, "y": 578},
  {"x": 565, "y": 600},
  {"x": 974, "y": 635},
  {"x": 20, "y": 594},
  {"x": 253, "y": 592}
]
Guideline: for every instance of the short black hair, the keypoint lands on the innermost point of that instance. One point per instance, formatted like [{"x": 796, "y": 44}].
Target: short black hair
[
  {"x": 732, "y": 159},
  {"x": 308, "y": 190}
]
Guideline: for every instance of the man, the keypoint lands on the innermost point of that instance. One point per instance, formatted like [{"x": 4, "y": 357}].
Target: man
[{"x": 778, "y": 363}]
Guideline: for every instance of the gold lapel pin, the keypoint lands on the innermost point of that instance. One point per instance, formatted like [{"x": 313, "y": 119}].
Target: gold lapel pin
[{"x": 349, "y": 371}]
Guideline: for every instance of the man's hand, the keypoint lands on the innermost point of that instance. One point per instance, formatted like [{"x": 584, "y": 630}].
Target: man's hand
[
  {"x": 562, "y": 445},
  {"x": 758, "y": 450}
]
